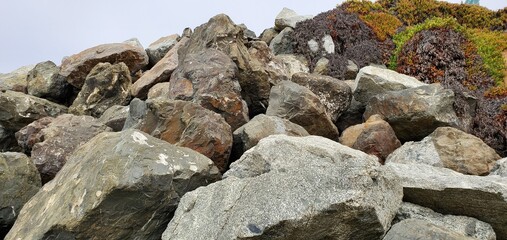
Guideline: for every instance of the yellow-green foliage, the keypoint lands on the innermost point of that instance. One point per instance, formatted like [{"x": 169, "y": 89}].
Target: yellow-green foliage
[{"x": 490, "y": 46}]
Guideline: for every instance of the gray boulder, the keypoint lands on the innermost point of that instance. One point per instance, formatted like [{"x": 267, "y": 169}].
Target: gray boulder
[
  {"x": 292, "y": 188},
  {"x": 283, "y": 42},
  {"x": 301, "y": 106},
  {"x": 467, "y": 226},
  {"x": 322, "y": 66},
  {"x": 415, "y": 229},
  {"x": 450, "y": 148},
  {"x": 45, "y": 82},
  {"x": 416, "y": 112},
  {"x": 106, "y": 85},
  {"x": 259, "y": 127},
  {"x": 137, "y": 111},
  {"x": 500, "y": 168},
  {"x": 289, "y": 18},
  {"x": 158, "y": 49},
  {"x": 115, "y": 117},
  {"x": 15, "y": 80},
  {"x": 450, "y": 192},
  {"x": 19, "y": 181},
  {"x": 292, "y": 64},
  {"x": 122, "y": 185},
  {"x": 268, "y": 34},
  {"x": 247, "y": 33}
]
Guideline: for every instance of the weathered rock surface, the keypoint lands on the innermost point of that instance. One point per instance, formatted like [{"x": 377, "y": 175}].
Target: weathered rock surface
[
  {"x": 293, "y": 64},
  {"x": 15, "y": 80},
  {"x": 371, "y": 81},
  {"x": 450, "y": 192},
  {"x": 115, "y": 117},
  {"x": 259, "y": 127},
  {"x": 161, "y": 72},
  {"x": 247, "y": 33},
  {"x": 159, "y": 90},
  {"x": 415, "y": 113},
  {"x": 449, "y": 148},
  {"x": 137, "y": 111},
  {"x": 31, "y": 134},
  {"x": 209, "y": 78},
  {"x": 352, "y": 70},
  {"x": 158, "y": 49},
  {"x": 467, "y": 226},
  {"x": 58, "y": 140},
  {"x": 187, "y": 124},
  {"x": 413, "y": 229},
  {"x": 283, "y": 42},
  {"x": 292, "y": 188},
  {"x": 333, "y": 93},
  {"x": 106, "y": 85},
  {"x": 375, "y": 137},
  {"x": 19, "y": 181},
  {"x": 289, "y": 18},
  {"x": 76, "y": 67},
  {"x": 268, "y": 34},
  {"x": 500, "y": 168},
  {"x": 8, "y": 142},
  {"x": 299, "y": 105},
  {"x": 117, "y": 186},
  {"x": 45, "y": 82},
  {"x": 322, "y": 66},
  {"x": 18, "y": 110}
]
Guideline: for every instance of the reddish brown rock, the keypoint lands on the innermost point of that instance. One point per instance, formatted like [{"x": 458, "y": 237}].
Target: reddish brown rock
[
  {"x": 76, "y": 67},
  {"x": 161, "y": 72},
  {"x": 375, "y": 137},
  {"x": 159, "y": 90},
  {"x": 31, "y": 134},
  {"x": 187, "y": 124}
]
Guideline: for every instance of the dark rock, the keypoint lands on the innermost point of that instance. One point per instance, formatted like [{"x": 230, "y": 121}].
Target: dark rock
[
  {"x": 209, "y": 78},
  {"x": 301, "y": 106},
  {"x": 8, "y": 141},
  {"x": 115, "y": 117},
  {"x": 268, "y": 34},
  {"x": 292, "y": 188},
  {"x": 19, "y": 181},
  {"x": 77, "y": 67},
  {"x": 187, "y": 124},
  {"x": 414, "y": 229},
  {"x": 106, "y": 85},
  {"x": 158, "y": 49},
  {"x": 137, "y": 111},
  {"x": 45, "y": 82},
  {"x": 283, "y": 42},
  {"x": 247, "y": 33},
  {"x": 415, "y": 113},
  {"x": 122, "y": 185}
]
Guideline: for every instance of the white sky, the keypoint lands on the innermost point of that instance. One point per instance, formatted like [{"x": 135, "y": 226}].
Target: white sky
[{"x": 33, "y": 31}]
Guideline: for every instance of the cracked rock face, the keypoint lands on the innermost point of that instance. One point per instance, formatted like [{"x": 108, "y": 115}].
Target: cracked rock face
[
  {"x": 292, "y": 188},
  {"x": 117, "y": 186}
]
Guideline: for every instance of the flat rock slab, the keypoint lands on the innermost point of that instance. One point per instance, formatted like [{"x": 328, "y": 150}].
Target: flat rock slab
[
  {"x": 15, "y": 80},
  {"x": 415, "y": 229},
  {"x": 117, "y": 186}
]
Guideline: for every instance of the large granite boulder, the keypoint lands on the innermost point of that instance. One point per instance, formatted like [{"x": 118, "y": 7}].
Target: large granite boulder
[
  {"x": 51, "y": 146},
  {"x": 450, "y": 148},
  {"x": 259, "y": 127},
  {"x": 449, "y": 192},
  {"x": 289, "y": 18},
  {"x": 209, "y": 78},
  {"x": 106, "y": 85},
  {"x": 415, "y": 229},
  {"x": 15, "y": 80},
  {"x": 158, "y": 49},
  {"x": 161, "y": 72},
  {"x": 299, "y": 105},
  {"x": 76, "y": 67},
  {"x": 45, "y": 82},
  {"x": 333, "y": 93},
  {"x": 466, "y": 226},
  {"x": 19, "y": 181},
  {"x": 371, "y": 81},
  {"x": 18, "y": 110},
  {"x": 122, "y": 185},
  {"x": 375, "y": 137},
  {"x": 292, "y": 188},
  {"x": 188, "y": 124},
  {"x": 500, "y": 168},
  {"x": 416, "y": 112}
]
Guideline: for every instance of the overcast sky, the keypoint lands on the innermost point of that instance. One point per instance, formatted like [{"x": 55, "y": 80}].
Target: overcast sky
[{"x": 33, "y": 31}]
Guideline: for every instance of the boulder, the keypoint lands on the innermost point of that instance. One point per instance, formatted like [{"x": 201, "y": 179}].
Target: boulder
[
  {"x": 293, "y": 64},
  {"x": 372, "y": 80},
  {"x": 333, "y": 93},
  {"x": 161, "y": 72},
  {"x": 187, "y": 124},
  {"x": 137, "y": 111},
  {"x": 159, "y": 90},
  {"x": 122, "y": 185},
  {"x": 259, "y": 127},
  {"x": 466, "y": 226},
  {"x": 449, "y": 148},
  {"x": 106, "y": 85},
  {"x": 31, "y": 134},
  {"x": 289, "y": 18},
  {"x": 53, "y": 145},
  {"x": 351, "y": 70},
  {"x": 115, "y": 117},
  {"x": 292, "y": 188},
  {"x": 77, "y": 67},
  {"x": 247, "y": 33},
  {"x": 449, "y": 192},
  {"x": 8, "y": 142},
  {"x": 375, "y": 137},
  {"x": 415, "y": 113},
  {"x": 283, "y": 43},
  {"x": 15, "y": 80},
  {"x": 134, "y": 42},
  {"x": 209, "y": 78},
  {"x": 322, "y": 66},
  {"x": 268, "y": 34},
  {"x": 158, "y": 49},
  {"x": 19, "y": 181},
  {"x": 301, "y": 106},
  {"x": 45, "y": 82},
  {"x": 353, "y": 115},
  {"x": 500, "y": 168},
  {"x": 18, "y": 110},
  {"x": 414, "y": 229}
]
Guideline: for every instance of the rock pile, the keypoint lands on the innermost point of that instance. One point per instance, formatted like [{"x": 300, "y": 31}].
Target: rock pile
[{"x": 218, "y": 134}]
